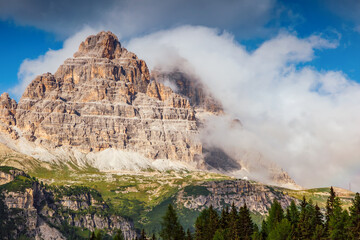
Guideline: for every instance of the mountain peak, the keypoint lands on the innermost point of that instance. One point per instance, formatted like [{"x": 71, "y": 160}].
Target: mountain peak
[{"x": 102, "y": 45}]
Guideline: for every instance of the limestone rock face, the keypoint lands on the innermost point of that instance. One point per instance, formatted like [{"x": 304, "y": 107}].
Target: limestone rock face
[
  {"x": 190, "y": 87},
  {"x": 257, "y": 197},
  {"x": 103, "y": 98},
  {"x": 35, "y": 206}
]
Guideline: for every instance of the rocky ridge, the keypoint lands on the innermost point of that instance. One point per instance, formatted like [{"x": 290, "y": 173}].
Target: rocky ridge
[
  {"x": 257, "y": 197},
  {"x": 44, "y": 211}
]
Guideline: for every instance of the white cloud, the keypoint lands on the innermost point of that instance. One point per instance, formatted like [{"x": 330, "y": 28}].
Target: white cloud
[
  {"x": 303, "y": 119},
  {"x": 49, "y": 62}
]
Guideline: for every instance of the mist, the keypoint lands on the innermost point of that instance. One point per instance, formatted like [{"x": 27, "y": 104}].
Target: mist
[{"x": 300, "y": 118}]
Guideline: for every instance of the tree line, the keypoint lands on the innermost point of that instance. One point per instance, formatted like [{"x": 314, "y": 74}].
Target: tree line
[{"x": 298, "y": 221}]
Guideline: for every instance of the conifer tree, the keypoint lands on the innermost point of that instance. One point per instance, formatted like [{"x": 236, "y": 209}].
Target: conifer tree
[
  {"x": 206, "y": 224},
  {"x": 246, "y": 224},
  {"x": 330, "y": 204},
  {"x": 234, "y": 227},
  {"x": 276, "y": 214},
  {"x": 224, "y": 218},
  {"x": 171, "y": 228},
  {"x": 153, "y": 237},
  {"x": 119, "y": 235},
  {"x": 354, "y": 222},
  {"x": 188, "y": 235},
  {"x": 281, "y": 231},
  {"x": 142, "y": 235},
  {"x": 305, "y": 227},
  {"x": 318, "y": 218},
  {"x": 264, "y": 230},
  {"x": 292, "y": 213},
  {"x": 338, "y": 222}
]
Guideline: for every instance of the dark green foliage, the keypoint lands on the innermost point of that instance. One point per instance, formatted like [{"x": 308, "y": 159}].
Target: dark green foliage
[
  {"x": 282, "y": 230},
  {"x": 276, "y": 214},
  {"x": 19, "y": 184},
  {"x": 224, "y": 218},
  {"x": 234, "y": 227},
  {"x": 171, "y": 228},
  {"x": 206, "y": 224},
  {"x": 338, "y": 222},
  {"x": 153, "y": 237},
  {"x": 188, "y": 235},
  {"x": 245, "y": 223},
  {"x": 292, "y": 213},
  {"x": 330, "y": 205},
  {"x": 119, "y": 235},
  {"x": 142, "y": 235},
  {"x": 354, "y": 221},
  {"x": 231, "y": 225},
  {"x": 6, "y": 169},
  {"x": 196, "y": 190}
]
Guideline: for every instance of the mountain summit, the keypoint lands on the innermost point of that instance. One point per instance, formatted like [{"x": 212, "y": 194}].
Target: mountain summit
[{"x": 103, "y": 108}]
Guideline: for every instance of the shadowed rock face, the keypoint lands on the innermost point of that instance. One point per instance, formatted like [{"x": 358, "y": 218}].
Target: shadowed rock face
[
  {"x": 190, "y": 87},
  {"x": 103, "y": 98}
]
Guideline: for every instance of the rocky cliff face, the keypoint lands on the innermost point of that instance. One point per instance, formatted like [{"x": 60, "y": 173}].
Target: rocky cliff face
[
  {"x": 45, "y": 211},
  {"x": 256, "y": 196},
  {"x": 199, "y": 97},
  {"x": 103, "y": 98},
  {"x": 102, "y": 104}
]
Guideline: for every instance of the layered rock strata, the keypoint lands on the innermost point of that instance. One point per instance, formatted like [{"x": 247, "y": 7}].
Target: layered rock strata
[
  {"x": 103, "y": 98},
  {"x": 39, "y": 211}
]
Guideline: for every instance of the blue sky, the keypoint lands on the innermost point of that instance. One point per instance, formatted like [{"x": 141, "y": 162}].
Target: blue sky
[{"x": 27, "y": 37}]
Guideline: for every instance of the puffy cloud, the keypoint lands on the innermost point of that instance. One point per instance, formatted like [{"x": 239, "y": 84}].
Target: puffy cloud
[
  {"x": 67, "y": 17},
  {"x": 303, "y": 119}
]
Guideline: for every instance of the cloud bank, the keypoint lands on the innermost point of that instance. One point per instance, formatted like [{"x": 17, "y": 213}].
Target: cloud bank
[{"x": 303, "y": 119}]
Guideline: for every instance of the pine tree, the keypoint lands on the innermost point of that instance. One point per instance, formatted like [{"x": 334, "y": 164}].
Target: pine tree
[
  {"x": 264, "y": 230},
  {"x": 292, "y": 213},
  {"x": 281, "y": 231},
  {"x": 234, "y": 227},
  {"x": 354, "y": 222},
  {"x": 276, "y": 214},
  {"x": 153, "y": 237},
  {"x": 318, "y": 218},
  {"x": 119, "y": 235},
  {"x": 142, "y": 235},
  {"x": 330, "y": 204},
  {"x": 224, "y": 218},
  {"x": 246, "y": 224},
  {"x": 222, "y": 234},
  {"x": 171, "y": 228},
  {"x": 305, "y": 227},
  {"x": 206, "y": 224},
  {"x": 188, "y": 235},
  {"x": 338, "y": 222}
]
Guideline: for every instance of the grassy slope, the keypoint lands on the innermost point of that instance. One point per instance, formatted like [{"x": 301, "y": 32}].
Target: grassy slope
[{"x": 143, "y": 197}]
